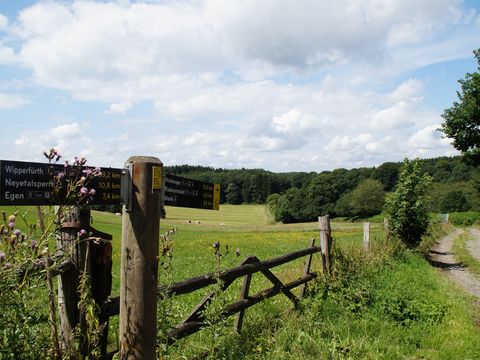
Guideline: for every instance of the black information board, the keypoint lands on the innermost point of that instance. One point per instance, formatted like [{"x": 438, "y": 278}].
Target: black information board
[
  {"x": 190, "y": 193},
  {"x": 29, "y": 183}
]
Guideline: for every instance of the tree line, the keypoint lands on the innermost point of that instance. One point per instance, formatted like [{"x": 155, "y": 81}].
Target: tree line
[{"x": 303, "y": 196}]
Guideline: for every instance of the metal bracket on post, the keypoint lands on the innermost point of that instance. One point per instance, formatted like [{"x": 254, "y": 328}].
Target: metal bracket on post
[{"x": 126, "y": 188}]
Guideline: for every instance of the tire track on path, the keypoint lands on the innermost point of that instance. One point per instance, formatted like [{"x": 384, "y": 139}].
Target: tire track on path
[{"x": 442, "y": 257}]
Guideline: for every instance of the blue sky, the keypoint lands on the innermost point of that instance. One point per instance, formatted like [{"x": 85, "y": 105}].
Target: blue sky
[{"x": 284, "y": 85}]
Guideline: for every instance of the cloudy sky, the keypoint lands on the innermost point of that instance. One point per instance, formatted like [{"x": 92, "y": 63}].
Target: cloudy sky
[{"x": 284, "y": 85}]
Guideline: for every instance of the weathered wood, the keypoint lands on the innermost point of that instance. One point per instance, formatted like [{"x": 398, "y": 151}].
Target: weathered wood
[
  {"x": 100, "y": 270},
  {"x": 386, "y": 228},
  {"x": 111, "y": 307},
  {"x": 186, "y": 329},
  {"x": 139, "y": 263},
  {"x": 325, "y": 242},
  {"x": 366, "y": 237},
  {"x": 68, "y": 296},
  {"x": 40, "y": 219},
  {"x": 276, "y": 281},
  {"x": 195, "y": 314},
  {"x": 308, "y": 265},
  {"x": 243, "y": 295}
]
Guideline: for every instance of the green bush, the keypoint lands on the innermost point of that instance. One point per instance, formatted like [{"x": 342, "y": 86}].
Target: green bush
[
  {"x": 407, "y": 207},
  {"x": 466, "y": 218}
]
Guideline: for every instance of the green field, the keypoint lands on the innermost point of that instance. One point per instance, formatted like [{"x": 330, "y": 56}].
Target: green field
[{"x": 389, "y": 304}]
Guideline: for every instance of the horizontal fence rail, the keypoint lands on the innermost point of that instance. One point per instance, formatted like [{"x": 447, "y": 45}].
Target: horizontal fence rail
[{"x": 112, "y": 306}]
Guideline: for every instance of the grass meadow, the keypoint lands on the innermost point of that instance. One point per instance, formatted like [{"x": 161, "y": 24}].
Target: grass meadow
[{"x": 389, "y": 304}]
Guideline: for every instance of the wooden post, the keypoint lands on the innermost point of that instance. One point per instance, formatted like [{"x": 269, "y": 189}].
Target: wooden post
[
  {"x": 72, "y": 221},
  {"x": 308, "y": 265},
  {"x": 366, "y": 237},
  {"x": 243, "y": 295},
  {"x": 386, "y": 228},
  {"x": 325, "y": 241},
  {"x": 100, "y": 271},
  {"x": 139, "y": 260}
]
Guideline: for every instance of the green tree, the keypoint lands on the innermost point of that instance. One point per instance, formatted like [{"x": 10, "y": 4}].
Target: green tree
[
  {"x": 407, "y": 207},
  {"x": 368, "y": 198},
  {"x": 455, "y": 200},
  {"x": 233, "y": 193},
  {"x": 462, "y": 120}
]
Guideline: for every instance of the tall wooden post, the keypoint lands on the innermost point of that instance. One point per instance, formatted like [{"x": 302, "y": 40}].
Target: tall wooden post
[
  {"x": 366, "y": 237},
  {"x": 325, "y": 242},
  {"x": 139, "y": 260},
  {"x": 72, "y": 221}
]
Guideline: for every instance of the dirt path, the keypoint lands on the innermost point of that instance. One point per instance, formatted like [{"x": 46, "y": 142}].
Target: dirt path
[
  {"x": 473, "y": 245},
  {"x": 441, "y": 256}
]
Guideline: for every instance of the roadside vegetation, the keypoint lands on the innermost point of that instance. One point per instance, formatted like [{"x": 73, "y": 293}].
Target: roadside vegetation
[{"x": 387, "y": 304}]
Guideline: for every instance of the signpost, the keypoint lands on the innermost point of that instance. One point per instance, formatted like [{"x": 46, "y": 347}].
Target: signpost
[
  {"x": 184, "y": 192},
  {"x": 30, "y": 183}
]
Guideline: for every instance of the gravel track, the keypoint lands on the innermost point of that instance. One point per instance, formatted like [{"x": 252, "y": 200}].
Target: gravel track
[{"x": 442, "y": 257}]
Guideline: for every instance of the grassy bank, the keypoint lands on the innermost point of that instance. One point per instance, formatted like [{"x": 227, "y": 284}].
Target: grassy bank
[{"x": 390, "y": 304}]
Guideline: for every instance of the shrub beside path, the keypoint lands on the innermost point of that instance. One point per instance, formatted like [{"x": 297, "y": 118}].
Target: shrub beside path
[{"x": 442, "y": 257}]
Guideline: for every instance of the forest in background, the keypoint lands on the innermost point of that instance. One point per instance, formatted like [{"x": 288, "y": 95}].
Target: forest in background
[{"x": 303, "y": 196}]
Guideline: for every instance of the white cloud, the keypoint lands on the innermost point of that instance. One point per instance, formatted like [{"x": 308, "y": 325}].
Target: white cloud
[
  {"x": 119, "y": 108},
  {"x": 3, "y": 22},
  {"x": 429, "y": 138},
  {"x": 9, "y": 101},
  {"x": 275, "y": 84}
]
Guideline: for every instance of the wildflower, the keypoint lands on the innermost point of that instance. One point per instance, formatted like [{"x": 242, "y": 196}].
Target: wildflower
[
  {"x": 13, "y": 239},
  {"x": 61, "y": 175},
  {"x": 11, "y": 224},
  {"x": 91, "y": 192},
  {"x": 81, "y": 181},
  {"x": 11, "y": 218},
  {"x": 216, "y": 245},
  {"x": 83, "y": 190},
  {"x": 3, "y": 257},
  {"x": 34, "y": 245},
  {"x": 97, "y": 172},
  {"x": 87, "y": 172},
  {"x": 17, "y": 232},
  {"x": 82, "y": 232}
]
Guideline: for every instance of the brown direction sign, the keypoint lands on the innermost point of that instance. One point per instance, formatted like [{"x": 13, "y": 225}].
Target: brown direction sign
[{"x": 30, "y": 183}]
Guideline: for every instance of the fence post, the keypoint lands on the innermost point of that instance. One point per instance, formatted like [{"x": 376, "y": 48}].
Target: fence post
[
  {"x": 308, "y": 265},
  {"x": 72, "y": 221},
  {"x": 386, "y": 228},
  {"x": 139, "y": 260},
  {"x": 366, "y": 237},
  {"x": 325, "y": 242}
]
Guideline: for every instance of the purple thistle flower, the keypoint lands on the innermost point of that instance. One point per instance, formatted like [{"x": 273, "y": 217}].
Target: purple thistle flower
[
  {"x": 3, "y": 257},
  {"x": 83, "y": 190},
  {"x": 5, "y": 232},
  {"x": 82, "y": 232},
  {"x": 87, "y": 172},
  {"x": 91, "y": 192},
  {"x": 11, "y": 224},
  {"x": 13, "y": 240},
  {"x": 34, "y": 245}
]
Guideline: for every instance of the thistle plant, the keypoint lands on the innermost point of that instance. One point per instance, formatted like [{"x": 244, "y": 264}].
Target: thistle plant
[{"x": 28, "y": 327}]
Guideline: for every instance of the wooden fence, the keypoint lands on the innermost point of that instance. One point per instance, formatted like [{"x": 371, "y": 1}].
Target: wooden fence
[{"x": 137, "y": 302}]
